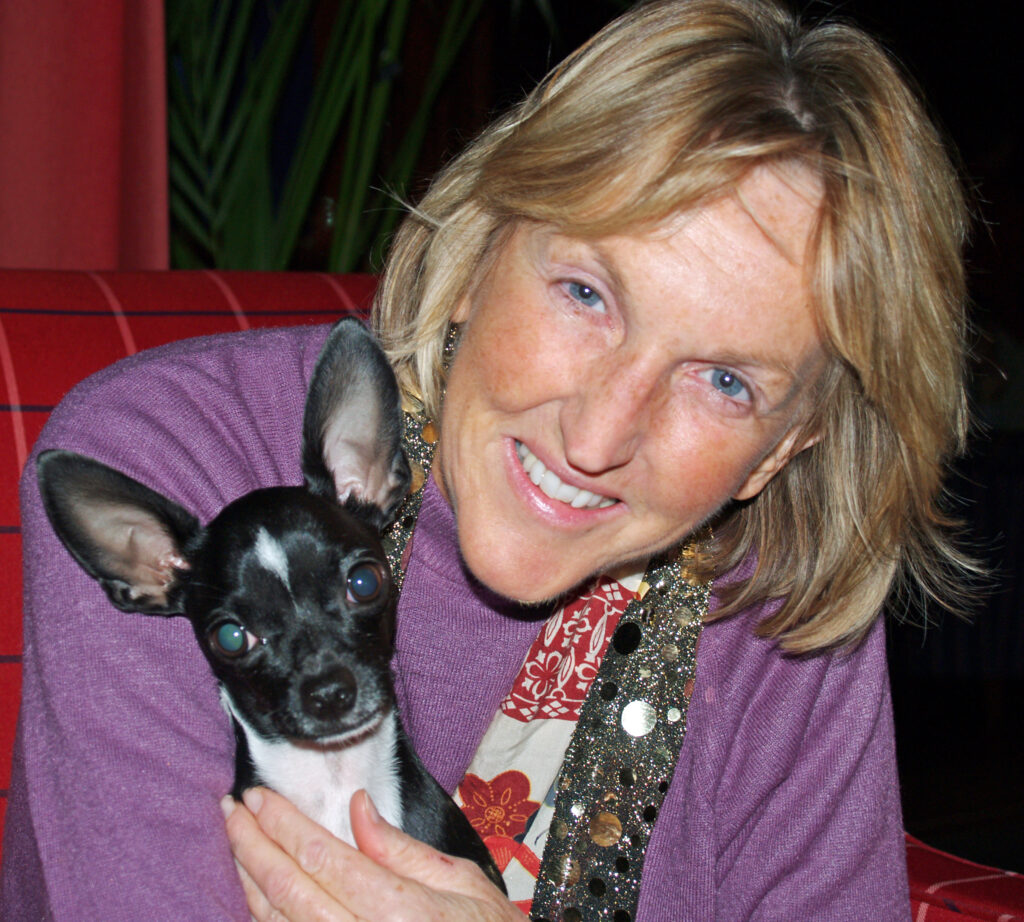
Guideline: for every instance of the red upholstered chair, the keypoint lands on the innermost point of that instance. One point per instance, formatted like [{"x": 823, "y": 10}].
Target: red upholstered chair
[{"x": 58, "y": 327}]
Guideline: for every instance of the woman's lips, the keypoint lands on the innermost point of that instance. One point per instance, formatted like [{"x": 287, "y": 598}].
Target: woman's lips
[{"x": 552, "y": 486}]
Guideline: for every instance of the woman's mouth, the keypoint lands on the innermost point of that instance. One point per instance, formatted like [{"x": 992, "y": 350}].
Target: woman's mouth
[{"x": 552, "y": 486}]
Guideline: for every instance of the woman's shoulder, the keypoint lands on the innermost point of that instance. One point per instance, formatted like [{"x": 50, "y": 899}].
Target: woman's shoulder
[
  {"x": 785, "y": 753},
  {"x": 749, "y": 689},
  {"x": 211, "y": 371},
  {"x": 732, "y": 650}
]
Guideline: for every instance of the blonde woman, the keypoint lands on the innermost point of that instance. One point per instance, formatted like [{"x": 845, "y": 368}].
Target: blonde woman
[{"x": 681, "y": 339}]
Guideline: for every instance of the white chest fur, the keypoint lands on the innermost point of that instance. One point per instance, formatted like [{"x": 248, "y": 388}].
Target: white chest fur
[{"x": 320, "y": 780}]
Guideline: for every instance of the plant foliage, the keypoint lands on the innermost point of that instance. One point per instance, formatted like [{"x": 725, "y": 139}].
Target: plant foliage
[{"x": 229, "y": 66}]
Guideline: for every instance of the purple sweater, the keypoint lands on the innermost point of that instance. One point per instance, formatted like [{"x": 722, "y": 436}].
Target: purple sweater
[{"x": 784, "y": 804}]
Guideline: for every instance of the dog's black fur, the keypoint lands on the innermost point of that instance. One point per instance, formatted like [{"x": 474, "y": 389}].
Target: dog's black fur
[{"x": 290, "y": 597}]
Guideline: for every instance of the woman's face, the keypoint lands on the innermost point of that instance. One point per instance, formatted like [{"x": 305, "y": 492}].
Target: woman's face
[{"x": 609, "y": 396}]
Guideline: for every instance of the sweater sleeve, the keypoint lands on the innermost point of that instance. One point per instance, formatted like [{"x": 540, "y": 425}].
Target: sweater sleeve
[
  {"x": 799, "y": 770},
  {"x": 123, "y": 751}
]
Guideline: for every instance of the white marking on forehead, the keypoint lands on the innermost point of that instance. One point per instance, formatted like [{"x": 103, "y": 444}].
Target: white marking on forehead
[{"x": 272, "y": 557}]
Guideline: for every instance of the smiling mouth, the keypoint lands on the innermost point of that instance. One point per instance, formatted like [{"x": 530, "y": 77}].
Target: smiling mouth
[{"x": 552, "y": 486}]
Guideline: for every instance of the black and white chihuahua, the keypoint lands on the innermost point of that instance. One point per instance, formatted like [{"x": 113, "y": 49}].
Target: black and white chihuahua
[{"x": 290, "y": 596}]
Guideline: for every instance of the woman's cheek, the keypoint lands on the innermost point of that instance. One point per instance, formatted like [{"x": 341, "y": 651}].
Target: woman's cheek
[{"x": 517, "y": 364}]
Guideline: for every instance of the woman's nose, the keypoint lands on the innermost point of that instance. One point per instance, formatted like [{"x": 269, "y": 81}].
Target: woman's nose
[{"x": 605, "y": 420}]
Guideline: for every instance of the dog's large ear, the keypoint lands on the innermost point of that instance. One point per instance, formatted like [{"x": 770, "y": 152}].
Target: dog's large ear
[
  {"x": 352, "y": 430},
  {"x": 126, "y": 536}
]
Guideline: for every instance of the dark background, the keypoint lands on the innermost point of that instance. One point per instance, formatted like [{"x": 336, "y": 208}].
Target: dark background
[{"x": 958, "y": 688}]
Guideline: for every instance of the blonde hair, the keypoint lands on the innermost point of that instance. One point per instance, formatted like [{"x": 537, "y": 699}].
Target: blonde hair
[{"x": 666, "y": 108}]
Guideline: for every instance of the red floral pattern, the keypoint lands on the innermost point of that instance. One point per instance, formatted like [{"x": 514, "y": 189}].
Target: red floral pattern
[
  {"x": 500, "y": 807},
  {"x": 566, "y": 655}
]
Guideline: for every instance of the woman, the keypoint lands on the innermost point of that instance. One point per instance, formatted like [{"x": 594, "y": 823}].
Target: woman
[{"x": 701, "y": 290}]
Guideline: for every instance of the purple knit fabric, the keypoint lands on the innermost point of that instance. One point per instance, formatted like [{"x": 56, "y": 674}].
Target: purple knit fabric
[{"x": 784, "y": 803}]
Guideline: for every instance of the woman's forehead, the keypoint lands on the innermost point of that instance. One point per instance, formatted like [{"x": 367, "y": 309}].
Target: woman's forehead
[
  {"x": 773, "y": 212},
  {"x": 782, "y": 198}
]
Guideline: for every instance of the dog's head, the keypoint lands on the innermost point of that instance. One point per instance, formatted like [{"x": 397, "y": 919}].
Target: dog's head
[{"x": 287, "y": 589}]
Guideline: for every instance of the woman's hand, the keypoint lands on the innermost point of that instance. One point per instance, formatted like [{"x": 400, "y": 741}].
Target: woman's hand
[{"x": 292, "y": 868}]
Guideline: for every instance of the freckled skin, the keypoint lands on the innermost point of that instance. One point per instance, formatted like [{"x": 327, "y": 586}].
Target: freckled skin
[{"x": 601, "y": 357}]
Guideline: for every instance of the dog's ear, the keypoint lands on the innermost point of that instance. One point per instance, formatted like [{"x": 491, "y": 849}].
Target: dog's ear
[
  {"x": 352, "y": 430},
  {"x": 126, "y": 536}
]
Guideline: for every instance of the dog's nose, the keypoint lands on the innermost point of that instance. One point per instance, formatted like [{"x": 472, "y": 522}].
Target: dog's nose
[{"x": 329, "y": 695}]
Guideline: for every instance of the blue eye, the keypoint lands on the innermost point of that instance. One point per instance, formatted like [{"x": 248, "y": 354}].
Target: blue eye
[
  {"x": 726, "y": 382},
  {"x": 231, "y": 640},
  {"x": 365, "y": 582},
  {"x": 586, "y": 296}
]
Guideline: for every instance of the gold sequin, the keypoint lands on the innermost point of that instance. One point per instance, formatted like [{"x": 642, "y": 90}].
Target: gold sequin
[
  {"x": 605, "y": 829},
  {"x": 570, "y": 871},
  {"x": 419, "y": 477}
]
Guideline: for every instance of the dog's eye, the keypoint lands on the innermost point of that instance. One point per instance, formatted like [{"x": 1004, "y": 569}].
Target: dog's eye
[
  {"x": 365, "y": 582},
  {"x": 231, "y": 640}
]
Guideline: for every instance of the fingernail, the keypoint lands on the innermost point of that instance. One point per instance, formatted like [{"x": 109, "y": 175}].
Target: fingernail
[
  {"x": 253, "y": 799},
  {"x": 371, "y": 812},
  {"x": 227, "y": 805}
]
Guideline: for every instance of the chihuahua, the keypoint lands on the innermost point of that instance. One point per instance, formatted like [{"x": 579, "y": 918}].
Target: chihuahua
[{"x": 290, "y": 597}]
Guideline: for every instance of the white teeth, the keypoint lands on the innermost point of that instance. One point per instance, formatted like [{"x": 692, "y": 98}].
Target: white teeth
[
  {"x": 550, "y": 484},
  {"x": 581, "y": 499}
]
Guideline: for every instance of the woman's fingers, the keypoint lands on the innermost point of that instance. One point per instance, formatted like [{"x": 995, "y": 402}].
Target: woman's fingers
[
  {"x": 259, "y": 905},
  {"x": 436, "y": 886},
  {"x": 277, "y": 874},
  {"x": 408, "y": 857}
]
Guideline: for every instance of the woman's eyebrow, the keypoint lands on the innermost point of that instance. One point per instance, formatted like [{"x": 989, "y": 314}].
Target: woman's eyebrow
[
  {"x": 607, "y": 261},
  {"x": 755, "y": 359},
  {"x": 783, "y": 374},
  {"x": 591, "y": 249}
]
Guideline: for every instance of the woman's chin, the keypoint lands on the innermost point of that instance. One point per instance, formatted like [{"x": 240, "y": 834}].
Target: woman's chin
[{"x": 530, "y": 581}]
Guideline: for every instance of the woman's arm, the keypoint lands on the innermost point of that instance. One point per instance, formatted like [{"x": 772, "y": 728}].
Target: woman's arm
[{"x": 801, "y": 776}]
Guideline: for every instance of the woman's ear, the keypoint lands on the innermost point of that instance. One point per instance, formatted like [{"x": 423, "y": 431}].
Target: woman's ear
[
  {"x": 791, "y": 444},
  {"x": 462, "y": 309}
]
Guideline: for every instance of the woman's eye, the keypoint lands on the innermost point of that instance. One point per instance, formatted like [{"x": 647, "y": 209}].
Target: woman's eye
[
  {"x": 231, "y": 640},
  {"x": 727, "y": 383},
  {"x": 365, "y": 582},
  {"x": 586, "y": 296}
]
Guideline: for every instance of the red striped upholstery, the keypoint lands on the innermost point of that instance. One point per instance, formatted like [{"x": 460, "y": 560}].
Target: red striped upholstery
[
  {"x": 58, "y": 327},
  {"x": 944, "y": 888}
]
